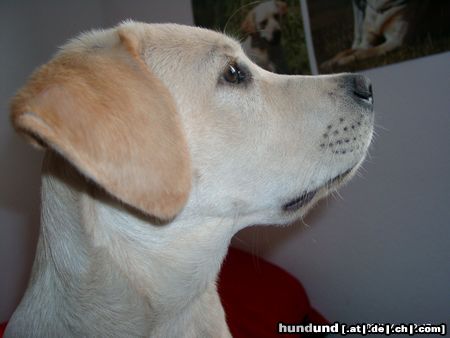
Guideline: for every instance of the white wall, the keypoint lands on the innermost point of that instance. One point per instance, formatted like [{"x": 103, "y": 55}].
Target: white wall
[{"x": 380, "y": 254}]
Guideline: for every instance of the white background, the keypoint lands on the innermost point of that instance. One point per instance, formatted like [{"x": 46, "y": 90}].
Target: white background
[{"x": 381, "y": 253}]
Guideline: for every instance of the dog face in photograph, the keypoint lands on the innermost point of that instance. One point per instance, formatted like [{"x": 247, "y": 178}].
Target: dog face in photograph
[
  {"x": 263, "y": 30},
  {"x": 162, "y": 141},
  {"x": 380, "y": 26}
]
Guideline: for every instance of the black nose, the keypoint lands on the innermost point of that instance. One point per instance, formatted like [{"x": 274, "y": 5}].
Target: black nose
[{"x": 361, "y": 88}]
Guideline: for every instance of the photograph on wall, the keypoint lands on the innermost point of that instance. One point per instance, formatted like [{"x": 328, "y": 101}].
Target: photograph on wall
[
  {"x": 271, "y": 32},
  {"x": 351, "y": 35}
]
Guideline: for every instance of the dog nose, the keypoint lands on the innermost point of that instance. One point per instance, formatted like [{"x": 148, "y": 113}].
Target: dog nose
[{"x": 362, "y": 88}]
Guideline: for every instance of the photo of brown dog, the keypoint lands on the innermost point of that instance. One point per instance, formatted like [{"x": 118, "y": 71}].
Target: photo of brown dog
[{"x": 271, "y": 32}]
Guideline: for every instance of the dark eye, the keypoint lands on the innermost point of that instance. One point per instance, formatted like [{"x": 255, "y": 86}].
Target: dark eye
[
  {"x": 263, "y": 23},
  {"x": 233, "y": 74}
]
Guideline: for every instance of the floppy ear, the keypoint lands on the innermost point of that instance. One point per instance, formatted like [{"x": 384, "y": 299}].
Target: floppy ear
[
  {"x": 105, "y": 112},
  {"x": 282, "y": 7},
  {"x": 248, "y": 25}
]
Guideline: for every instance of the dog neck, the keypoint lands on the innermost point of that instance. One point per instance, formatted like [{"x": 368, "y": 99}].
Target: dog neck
[{"x": 103, "y": 267}]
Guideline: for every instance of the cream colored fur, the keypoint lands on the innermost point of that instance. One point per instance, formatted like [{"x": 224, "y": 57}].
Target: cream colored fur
[{"x": 153, "y": 162}]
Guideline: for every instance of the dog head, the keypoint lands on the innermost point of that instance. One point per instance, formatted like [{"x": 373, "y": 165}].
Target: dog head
[
  {"x": 169, "y": 117},
  {"x": 264, "y": 21}
]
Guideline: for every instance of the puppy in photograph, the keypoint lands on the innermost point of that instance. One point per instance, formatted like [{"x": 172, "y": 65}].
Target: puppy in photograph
[
  {"x": 161, "y": 142},
  {"x": 380, "y": 26},
  {"x": 263, "y": 30}
]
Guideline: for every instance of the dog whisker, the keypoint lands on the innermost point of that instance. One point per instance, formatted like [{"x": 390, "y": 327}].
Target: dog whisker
[
  {"x": 360, "y": 174},
  {"x": 302, "y": 219},
  {"x": 336, "y": 193}
]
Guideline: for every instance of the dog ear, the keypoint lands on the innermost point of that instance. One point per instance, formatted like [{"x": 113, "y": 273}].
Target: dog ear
[
  {"x": 105, "y": 112},
  {"x": 248, "y": 25},
  {"x": 282, "y": 7}
]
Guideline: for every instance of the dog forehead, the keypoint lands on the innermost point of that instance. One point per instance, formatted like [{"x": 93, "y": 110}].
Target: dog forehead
[
  {"x": 195, "y": 38},
  {"x": 183, "y": 42},
  {"x": 186, "y": 46},
  {"x": 265, "y": 9}
]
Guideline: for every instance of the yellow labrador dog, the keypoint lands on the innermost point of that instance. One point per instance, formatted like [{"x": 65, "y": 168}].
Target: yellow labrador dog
[{"x": 162, "y": 141}]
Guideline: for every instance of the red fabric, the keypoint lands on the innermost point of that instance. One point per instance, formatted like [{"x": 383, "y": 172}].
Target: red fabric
[
  {"x": 256, "y": 295},
  {"x": 2, "y": 329}
]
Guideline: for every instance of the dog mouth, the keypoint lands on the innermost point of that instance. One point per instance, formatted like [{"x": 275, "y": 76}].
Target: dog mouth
[
  {"x": 276, "y": 38},
  {"x": 307, "y": 196}
]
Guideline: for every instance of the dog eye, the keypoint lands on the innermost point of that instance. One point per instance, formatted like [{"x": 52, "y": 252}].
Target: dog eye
[
  {"x": 276, "y": 17},
  {"x": 233, "y": 74},
  {"x": 263, "y": 23}
]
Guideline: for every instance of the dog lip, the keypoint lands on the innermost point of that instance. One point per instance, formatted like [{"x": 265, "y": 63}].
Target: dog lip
[
  {"x": 307, "y": 196},
  {"x": 339, "y": 177},
  {"x": 301, "y": 201}
]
